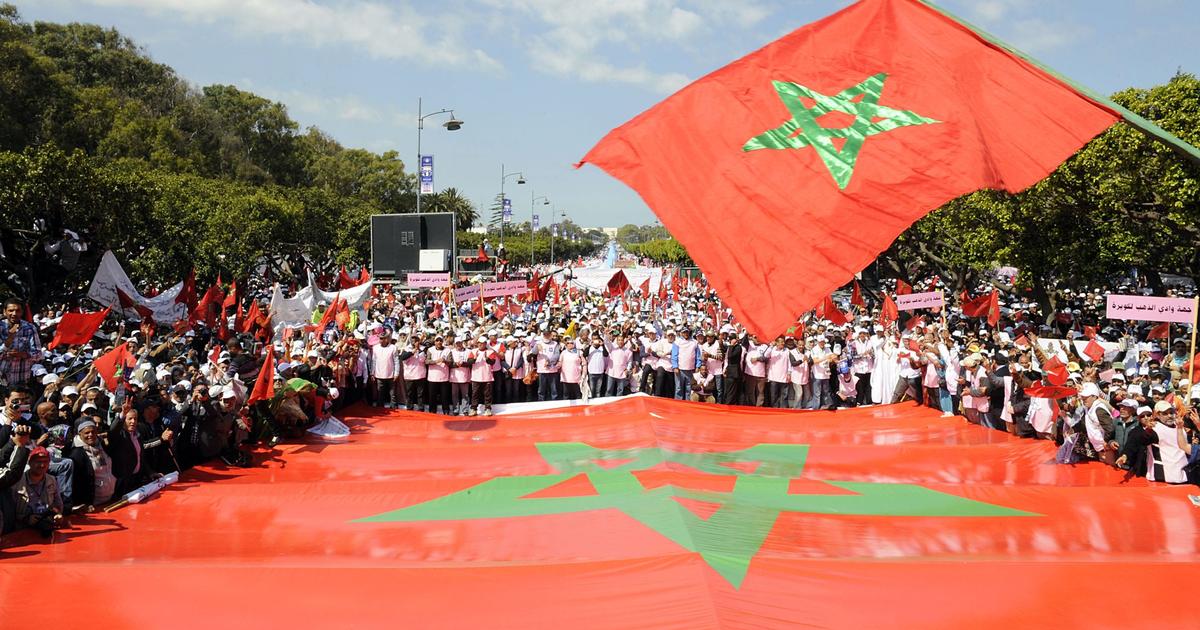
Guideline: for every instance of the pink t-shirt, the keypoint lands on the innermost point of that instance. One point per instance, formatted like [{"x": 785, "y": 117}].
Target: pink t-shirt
[
  {"x": 778, "y": 365},
  {"x": 438, "y": 372},
  {"x": 800, "y": 372},
  {"x": 754, "y": 367},
  {"x": 414, "y": 366},
  {"x": 618, "y": 362},
  {"x": 481, "y": 370},
  {"x": 460, "y": 373},
  {"x": 571, "y": 363},
  {"x": 383, "y": 361}
]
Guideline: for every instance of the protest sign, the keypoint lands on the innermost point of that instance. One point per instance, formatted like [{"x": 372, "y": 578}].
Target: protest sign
[
  {"x": 501, "y": 289},
  {"x": 913, "y": 301},
  {"x": 1151, "y": 309},
  {"x": 427, "y": 280}
]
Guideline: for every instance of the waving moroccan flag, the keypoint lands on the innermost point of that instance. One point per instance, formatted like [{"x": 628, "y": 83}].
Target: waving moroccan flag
[
  {"x": 264, "y": 385},
  {"x": 77, "y": 328},
  {"x": 856, "y": 297},
  {"x": 618, "y": 284},
  {"x": 820, "y": 148},
  {"x": 643, "y": 513},
  {"x": 888, "y": 313},
  {"x": 986, "y": 306},
  {"x": 111, "y": 365},
  {"x": 902, "y": 287}
]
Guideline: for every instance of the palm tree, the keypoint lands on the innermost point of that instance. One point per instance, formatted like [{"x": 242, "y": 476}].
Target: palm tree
[{"x": 450, "y": 200}]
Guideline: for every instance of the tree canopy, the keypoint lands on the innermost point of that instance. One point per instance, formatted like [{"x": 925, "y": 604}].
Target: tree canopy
[{"x": 99, "y": 139}]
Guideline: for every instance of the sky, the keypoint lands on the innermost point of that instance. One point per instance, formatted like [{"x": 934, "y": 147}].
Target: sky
[{"x": 539, "y": 82}]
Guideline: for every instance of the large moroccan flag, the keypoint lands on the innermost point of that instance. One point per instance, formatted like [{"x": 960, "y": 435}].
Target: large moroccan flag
[
  {"x": 817, "y": 150},
  {"x": 77, "y": 328},
  {"x": 640, "y": 513}
]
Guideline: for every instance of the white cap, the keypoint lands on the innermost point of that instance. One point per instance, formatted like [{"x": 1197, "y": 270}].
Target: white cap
[
  {"x": 1089, "y": 389},
  {"x": 49, "y": 379},
  {"x": 70, "y": 390}
]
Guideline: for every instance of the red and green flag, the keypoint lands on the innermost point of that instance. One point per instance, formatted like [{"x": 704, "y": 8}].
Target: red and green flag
[{"x": 820, "y": 148}]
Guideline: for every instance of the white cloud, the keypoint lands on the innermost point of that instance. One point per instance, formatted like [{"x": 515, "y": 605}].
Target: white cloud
[
  {"x": 576, "y": 37},
  {"x": 994, "y": 10},
  {"x": 385, "y": 31},
  {"x": 1038, "y": 36}
]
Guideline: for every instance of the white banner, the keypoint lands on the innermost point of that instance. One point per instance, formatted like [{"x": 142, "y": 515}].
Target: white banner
[{"x": 110, "y": 277}]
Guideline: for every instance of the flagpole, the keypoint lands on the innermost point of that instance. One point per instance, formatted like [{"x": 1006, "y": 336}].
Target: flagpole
[
  {"x": 942, "y": 294},
  {"x": 1192, "y": 354}
]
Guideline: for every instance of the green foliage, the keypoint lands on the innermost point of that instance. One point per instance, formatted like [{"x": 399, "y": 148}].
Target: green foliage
[
  {"x": 663, "y": 251},
  {"x": 98, "y": 138},
  {"x": 630, "y": 233}
]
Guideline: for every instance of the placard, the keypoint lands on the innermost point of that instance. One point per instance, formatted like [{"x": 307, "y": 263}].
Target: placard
[
  {"x": 427, "y": 280},
  {"x": 913, "y": 301},
  {"x": 1151, "y": 309}
]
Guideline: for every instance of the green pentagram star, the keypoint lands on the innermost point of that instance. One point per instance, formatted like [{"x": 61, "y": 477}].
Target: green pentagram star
[
  {"x": 803, "y": 130},
  {"x": 730, "y": 537}
]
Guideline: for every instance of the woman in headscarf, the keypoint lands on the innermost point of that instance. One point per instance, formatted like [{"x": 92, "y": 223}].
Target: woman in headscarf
[{"x": 93, "y": 482}]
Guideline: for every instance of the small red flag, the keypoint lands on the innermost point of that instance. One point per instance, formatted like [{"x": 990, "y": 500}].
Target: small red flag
[
  {"x": 888, "y": 313},
  {"x": 1160, "y": 331},
  {"x": 856, "y": 297},
  {"x": 77, "y": 328},
  {"x": 987, "y": 306},
  {"x": 264, "y": 385},
  {"x": 1021, "y": 341},
  {"x": 914, "y": 322},
  {"x": 111, "y": 365},
  {"x": 1089, "y": 332},
  {"x": 902, "y": 287},
  {"x": 829, "y": 310},
  {"x": 645, "y": 287},
  {"x": 1093, "y": 351},
  {"x": 251, "y": 317},
  {"x": 619, "y": 284},
  {"x": 1055, "y": 370},
  {"x": 1050, "y": 391}
]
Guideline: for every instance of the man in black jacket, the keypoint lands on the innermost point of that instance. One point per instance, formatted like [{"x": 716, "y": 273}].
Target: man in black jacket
[{"x": 733, "y": 370}]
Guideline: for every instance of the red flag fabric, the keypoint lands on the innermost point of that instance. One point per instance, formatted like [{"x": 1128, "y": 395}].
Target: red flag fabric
[
  {"x": 111, "y": 365},
  {"x": 330, "y": 314},
  {"x": 902, "y": 287},
  {"x": 1160, "y": 331},
  {"x": 209, "y": 306},
  {"x": 829, "y": 310},
  {"x": 77, "y": 328},
  {"x": 232, "y": 298},
  {"x": 1089, "y": 332},
  {"x": 1050, "y": 391},
  {"x": 662, "y": 289},
  {"x": 251, "y": 317},
  {"x": 264, "y": 385},
  {"x": 1093, "y": 351},
  {"x": 985, "y": 306},
  {"x": 618, "y": 284},
  {"x": 345, "y": 281},
  {"x": 482, "y": 257},
  {"x": 914, "y": 322},
  {"x": 856, "y": 297},
  {"x": 130, "y": 304},
  {"x": 1022, "y": 342},
  {"x": 645, "y": 287},
  {"x": 888, "y": 313},
  {"x": 926, "y": 110},
  {"x": 1055, "y": 371}
]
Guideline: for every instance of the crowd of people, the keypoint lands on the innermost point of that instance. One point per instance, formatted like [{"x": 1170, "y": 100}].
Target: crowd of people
[{"x": 75, "y": 439}]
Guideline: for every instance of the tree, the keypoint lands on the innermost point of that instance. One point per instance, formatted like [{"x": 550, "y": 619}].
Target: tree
[{"x": 450, "y": 200}]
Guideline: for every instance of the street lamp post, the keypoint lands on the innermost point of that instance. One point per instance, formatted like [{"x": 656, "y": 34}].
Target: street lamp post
[
  {"x": 504, "y": 177},
  {"x": 533, "y": 206},
  {"x": 453, "y": 124},
  {"x": 554, "y": 227}
]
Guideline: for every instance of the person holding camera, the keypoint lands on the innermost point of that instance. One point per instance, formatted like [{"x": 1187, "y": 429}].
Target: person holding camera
[{"x": 39, "y": 503}]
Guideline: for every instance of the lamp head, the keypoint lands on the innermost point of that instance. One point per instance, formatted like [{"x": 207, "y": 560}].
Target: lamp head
[{"x": 453, "y": 124}]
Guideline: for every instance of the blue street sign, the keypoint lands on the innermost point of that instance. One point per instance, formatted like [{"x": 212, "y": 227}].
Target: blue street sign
[{"x": 426, "y": 174}]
